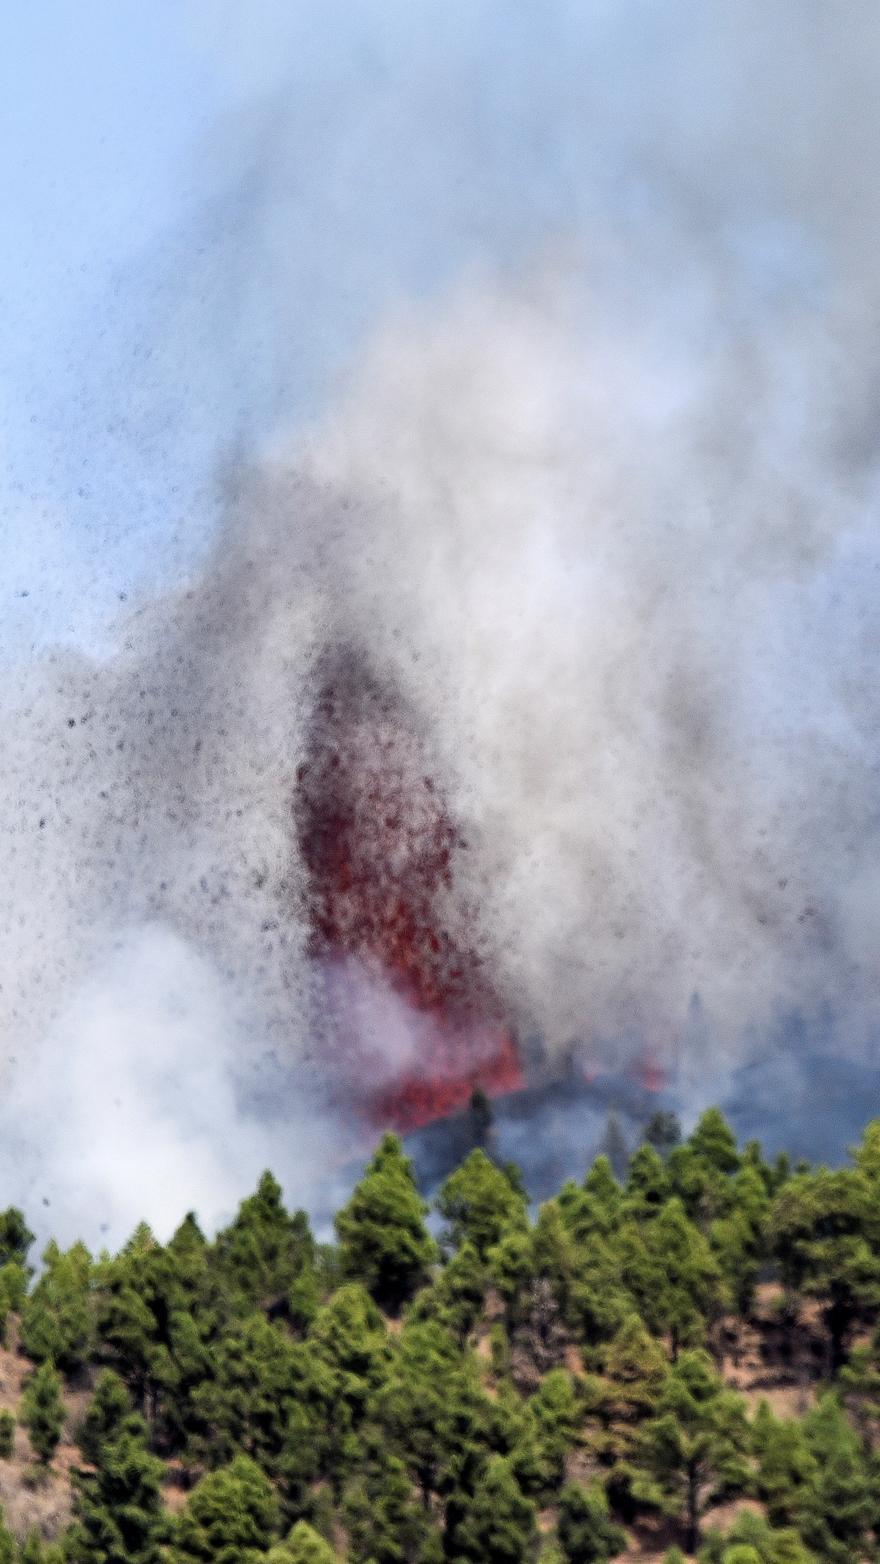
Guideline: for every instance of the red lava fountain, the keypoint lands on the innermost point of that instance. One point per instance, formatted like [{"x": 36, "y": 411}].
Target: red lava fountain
[{"x": 414, "y": 1022}]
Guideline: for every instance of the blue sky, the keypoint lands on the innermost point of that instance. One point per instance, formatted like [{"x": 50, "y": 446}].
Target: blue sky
[{"x": 99, "y": 108}]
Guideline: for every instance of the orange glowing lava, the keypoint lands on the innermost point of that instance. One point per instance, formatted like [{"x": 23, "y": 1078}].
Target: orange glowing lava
[
  {"x": 378, "y": 847},
  {"x": 650, "y": 1074}
]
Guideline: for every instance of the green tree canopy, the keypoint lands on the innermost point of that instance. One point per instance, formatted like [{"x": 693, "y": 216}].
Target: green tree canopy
[
  {"x": 662, "y": 1131},
  {"x": 383, "y": 1238},
  {"x": 245, "y": 1403},
  {"x": 786, "y": 1465},
  {"x": 105, "y": 1415},
  {"x": 230, "y": 1517},
  {"x": 303, "y": 1545},
  {"x": 694, "y": 1448},
  {"x": 824, "y": 1229},
  {"x": 15, "y": 1237},
  {"x": 58, "y": 1318},
  {"x": 119, "y": 1513},
  {"x": 496, "y": 1523},
  {"x": 647, "y": 1185},
  {"x": 838, "y": 1512},
  {"x": 587, "y": 1534},
  {"x": 429, "y": 1404},
  {"x": 752, "y": 1540},
  {"x": 479, "y": 1204},
  {"x": 383, "y": 1521},
  {"x": 264, "y": 1250},
  {"x": 635, "y": 1370},
  {"x": 702, "y": 1168},
  {"x": 458, "y": 1293},
  {"x": 672, "y": 1275},
  {"x": 42, "y": 1412}
]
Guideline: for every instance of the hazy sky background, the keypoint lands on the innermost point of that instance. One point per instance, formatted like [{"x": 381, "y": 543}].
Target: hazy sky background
[{"x": 172, "y": 171}]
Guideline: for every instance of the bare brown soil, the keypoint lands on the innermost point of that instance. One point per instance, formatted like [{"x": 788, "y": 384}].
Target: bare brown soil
[{"x": 35, "y": 1498}]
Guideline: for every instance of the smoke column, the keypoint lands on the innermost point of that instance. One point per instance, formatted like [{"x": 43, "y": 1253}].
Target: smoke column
[
  {"x": 407, "y": 1001},
  {"x": 586, "y": 506}
]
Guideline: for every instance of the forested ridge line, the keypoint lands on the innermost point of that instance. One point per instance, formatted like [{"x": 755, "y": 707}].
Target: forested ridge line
[{"x": 682, "y": 1361}]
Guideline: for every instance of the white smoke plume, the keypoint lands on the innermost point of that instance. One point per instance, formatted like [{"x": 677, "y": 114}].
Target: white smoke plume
[
  {"x": 134, "y": 1082},
  {"x": 601, "y": 503}
]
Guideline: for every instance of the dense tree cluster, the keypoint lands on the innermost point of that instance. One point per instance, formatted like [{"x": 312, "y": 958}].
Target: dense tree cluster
[{"x": 487, "y": 1385}]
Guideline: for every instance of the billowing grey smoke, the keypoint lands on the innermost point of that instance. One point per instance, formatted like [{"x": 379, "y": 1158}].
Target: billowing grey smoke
[{"x": 601, "y": 502}]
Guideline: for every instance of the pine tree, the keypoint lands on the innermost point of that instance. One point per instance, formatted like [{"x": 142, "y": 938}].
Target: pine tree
[
  {"x": 752, "y": 1540},
  {"x": 647, "y": 1183},
  {"x": 662, "y": 1131},
  {"x": 58, "y": 1318},
  {"x": 714, "y": 1142},
  {"x": 341, "y": 1367},
  {"x": 496, "y": 1523},
  {"x": 787, "y": 1468},
  {"x": 303, "y": 1546},
  {"x": 701, "y": 1170},
  {"x": 181, "y": 1365},
  {"x": 554, "y": 1258},
  {"x": 591, "y": 1210},
  {"x": 457, "y": 1295},
  {"x": 695, "y": 1446},
  {"x": 859, "y": 1385},
  {"x": 119, "y": 1513},
  {"x": 825, "y": 1231},
  {"x": 738, "y": 1239},
  {"x": 672, "y": 1274},
  {"x": 587, "y": 1535},
  {"x": 137, "y": 1294},
  {"x": 264, "y": 1250},
  {"x": 603, "y": 1189},
  {"x": 635, "y": 1370},
  {"x": 230, "y": 1516},
  {"x": 480, "y": 1204},
  {"x": 42, "y": 1412},
  {"x": 549, "y": 1429},
  {"x": 15, "y": 1237},
  {"x": 382, "y": 1233},
  {"x": 839, "y": 1510},
  {"x": 384, "y": 1522},
  {"x": 104, "y": 1417},
  {"x": 867, "y": 1153},
  {"x": 256, "y": 1380},
  {"x": 429, "y": 1401}
]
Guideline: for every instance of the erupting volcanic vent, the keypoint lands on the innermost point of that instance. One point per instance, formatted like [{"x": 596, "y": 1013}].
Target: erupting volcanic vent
[{"x": 415, "y": 1024}]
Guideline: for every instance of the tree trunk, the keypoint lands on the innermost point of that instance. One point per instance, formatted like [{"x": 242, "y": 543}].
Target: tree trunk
[
  {"x": 837, "y": 1320},
  {"x": 693, "y": 1509},
  {"x": 426, "y": 1483}
]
